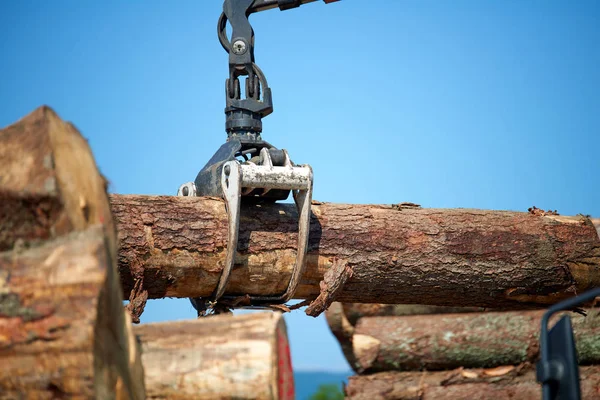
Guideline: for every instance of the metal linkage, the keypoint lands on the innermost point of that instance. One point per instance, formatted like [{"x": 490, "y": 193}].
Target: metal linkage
[
  {"x": 245, "y": 166},
  {"x": 244, "y": 116}
]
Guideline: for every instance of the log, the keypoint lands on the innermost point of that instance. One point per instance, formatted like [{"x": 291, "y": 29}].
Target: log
[
  {"x": 63, "y": 330},
  {"x": 218, "y": 357},
  {"x": 446, "y": 257},
  {"x": 473, "y": 340},
  {"x": 342, "y": 319},
  {"x": 504, "y": 383}
]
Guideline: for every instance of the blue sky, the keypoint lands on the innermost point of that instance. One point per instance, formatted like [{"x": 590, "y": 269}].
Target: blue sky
[{"x": 478, "y": 104}]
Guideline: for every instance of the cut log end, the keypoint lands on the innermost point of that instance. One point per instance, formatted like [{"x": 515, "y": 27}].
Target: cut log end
[{"x": 217, "y": 357}]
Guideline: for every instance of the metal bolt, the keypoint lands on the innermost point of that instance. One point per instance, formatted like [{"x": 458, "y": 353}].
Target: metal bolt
[
  {"x": 227, "y": 170},
  {"x": 239, "y": 47},
  {"x": 185, "y": 191}
]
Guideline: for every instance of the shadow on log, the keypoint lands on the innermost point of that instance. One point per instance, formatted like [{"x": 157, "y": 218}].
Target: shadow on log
[
  {"x": 218, "y": 357},
  {"x": 63, "y": 331}
]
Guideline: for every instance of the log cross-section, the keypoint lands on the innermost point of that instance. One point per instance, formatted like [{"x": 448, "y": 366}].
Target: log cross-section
[
  {"x": 218, "y": 357},
  {"x": 452, "y": 257}
]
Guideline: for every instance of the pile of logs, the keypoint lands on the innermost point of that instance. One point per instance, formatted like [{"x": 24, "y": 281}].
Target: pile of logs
[
  {"x": 64, "y": 332},
  {"x": 422, "y": 352},
  {"x": 70, "y": 254}
]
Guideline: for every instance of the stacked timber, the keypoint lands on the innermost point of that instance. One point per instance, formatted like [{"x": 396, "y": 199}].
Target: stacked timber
[
  {"x": 63, "y": 330},
  {"x": 398, "y": 353}
]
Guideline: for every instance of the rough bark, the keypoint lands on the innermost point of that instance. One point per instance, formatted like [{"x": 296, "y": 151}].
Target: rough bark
[
  {"x": 218, "y": 357},
  {"x": 473, "y": 340},
  {"x": 342, "y": 319},
  {"x": 458, "y": 257},
  {"x": 508, "y": 382},
  {"x": 63, "y": 331}
]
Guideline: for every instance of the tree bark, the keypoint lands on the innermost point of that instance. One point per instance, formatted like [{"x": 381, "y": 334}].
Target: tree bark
[
  {"x": 398, "y": 255},
  {"x": 218, "y": 357},
  {"x": 473, "y": 340},
  {"x": 63, "y": 331},
  {"x": 343, "y": 317},
  {"x": 502, "y": 383}
]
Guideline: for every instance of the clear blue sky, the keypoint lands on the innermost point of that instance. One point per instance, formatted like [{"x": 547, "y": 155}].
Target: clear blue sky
[{"x": 480, "y": 104}]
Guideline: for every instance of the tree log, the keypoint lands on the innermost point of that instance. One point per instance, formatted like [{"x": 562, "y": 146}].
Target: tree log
[
  {"x": 400, "y": 255},
  {"x": 342, "y": 319},
  {"x": 63, "y": 331},
  {"x": 218, "y": 357},
  {"x": 473, "y": 340},
  {"x": 502, "y": 383}
]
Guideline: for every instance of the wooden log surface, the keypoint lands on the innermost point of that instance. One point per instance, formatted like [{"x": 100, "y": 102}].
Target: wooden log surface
[
  {"x": 355, "y": 311},
  {"x": 63, "y": 330},
  {"x": 218, "y": 357},
  {"x": 503, "y": 383},
  {"x": 447, "y": 257},
  {"x": 472, "y": 340},
  {"x": 343, "y": 317}
]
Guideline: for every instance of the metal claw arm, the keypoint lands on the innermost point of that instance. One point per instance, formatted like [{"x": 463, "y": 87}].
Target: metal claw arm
[{"x": 244, "y": 116}]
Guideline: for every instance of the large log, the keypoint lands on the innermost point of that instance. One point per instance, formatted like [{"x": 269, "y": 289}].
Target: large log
[
  {"x": 503, "y": 383},
  {"x": 218, "y": 357},
  {"x": 452, "y": 257},
  {"x": 63, "y": 330},
  {"x": 473, "y": 340}
]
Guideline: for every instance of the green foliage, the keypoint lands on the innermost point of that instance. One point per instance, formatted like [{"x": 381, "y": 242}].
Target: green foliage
[{"x": 328, "y": 392}]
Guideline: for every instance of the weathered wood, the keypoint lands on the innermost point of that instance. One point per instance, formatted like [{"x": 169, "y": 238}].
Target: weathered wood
[
  {"x": 455, "y": 257},
  {"x": 218, "y": 357},
  {"x": 501, "y": 383},
  {"x": 63, "y": 331},
  {"x": 473, "y": 340},
  {"x": 59, "y": 328},
  {"x": 49, "y": 183},
  {"x": 343, "y": 317}
]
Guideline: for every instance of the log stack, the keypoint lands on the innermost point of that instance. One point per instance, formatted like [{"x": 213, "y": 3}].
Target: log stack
[
  {"x": 419, "y": 352},
  {"x": 63, "y": 330},
  {"x": 64, "y": 272}
]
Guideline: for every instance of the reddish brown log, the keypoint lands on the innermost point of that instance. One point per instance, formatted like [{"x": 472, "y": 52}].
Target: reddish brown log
[
  {"x": 473, "y": 340},
  {"x": 63, "y": 332},
  {"x": 502, "y": 383},
  {"x": 218, "y": 357},
  {"x": 427, "y": 256}
]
